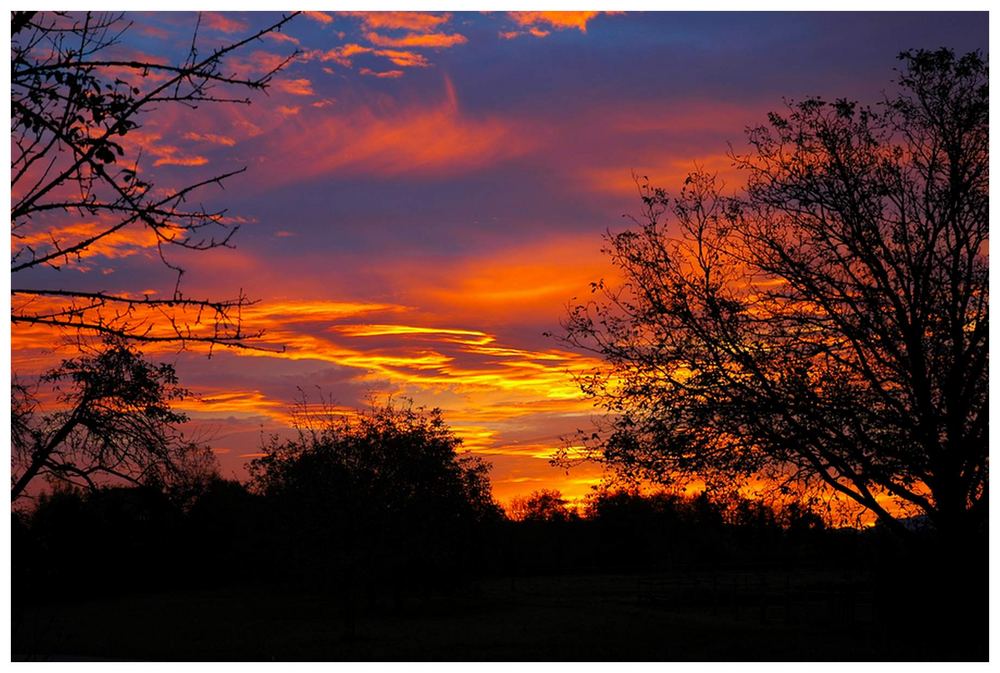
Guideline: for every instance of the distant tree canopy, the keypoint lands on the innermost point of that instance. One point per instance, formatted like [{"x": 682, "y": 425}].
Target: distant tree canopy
[
  {"x": 826, "y": 326},
  {"x": 543, "y": 505},
  {"x": 78, "y": 181}
]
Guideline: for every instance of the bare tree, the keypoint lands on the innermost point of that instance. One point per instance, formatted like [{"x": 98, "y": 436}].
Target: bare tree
[
  {"x": 826, "y": 326},
  {"x": 73, "y": 106}
]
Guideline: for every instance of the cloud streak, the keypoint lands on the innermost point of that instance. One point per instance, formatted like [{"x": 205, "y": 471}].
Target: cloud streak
[
  {"x": 422, "y": 40},
  {"x": 395, "y": 139}
]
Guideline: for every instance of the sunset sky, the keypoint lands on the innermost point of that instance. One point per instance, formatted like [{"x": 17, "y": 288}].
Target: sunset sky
[{"x": 425, "y": 193}]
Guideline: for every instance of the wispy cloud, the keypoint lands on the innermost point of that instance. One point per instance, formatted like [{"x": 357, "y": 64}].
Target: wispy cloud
[
  {"x": 423, "y": 40},
  {"x": 211, "y": 138},
  {"x": 395, "y": 138},
  {"x": 385, "y": 74},
  {"x": 164, "y": 153}
]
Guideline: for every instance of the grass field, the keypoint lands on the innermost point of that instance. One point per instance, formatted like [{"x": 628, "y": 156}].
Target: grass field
[{"x": 682, "y": 616}]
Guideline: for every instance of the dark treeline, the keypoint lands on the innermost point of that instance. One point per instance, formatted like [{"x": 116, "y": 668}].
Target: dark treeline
[
  {"x": 382, "y": 502},
  {"x": 122, "y": 543},
  {"x": 122, "y": 540}
]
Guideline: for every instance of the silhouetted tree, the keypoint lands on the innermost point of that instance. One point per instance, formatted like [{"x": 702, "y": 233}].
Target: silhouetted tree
[
  {"x": 114, "y": 420},
  {"x": 542, "y": 505},
  {"x": 611, "y": 503},
  {"x": 826, "y": 326},
  {"x": 400, "y": 452},
  {"x": 380, "y": 493},
  {"x": 74, "y": 103}
]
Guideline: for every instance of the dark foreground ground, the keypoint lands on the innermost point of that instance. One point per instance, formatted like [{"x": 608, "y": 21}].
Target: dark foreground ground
[{"x": 682, "y": 615}]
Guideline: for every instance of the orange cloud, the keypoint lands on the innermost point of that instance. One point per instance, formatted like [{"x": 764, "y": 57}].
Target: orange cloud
[
  {"x": 35, "y": 348},
  {"x": 123, "y": 243},
  {"x": 431, "y": 40},
  {"x": 383, "y": 330},
  {"x": 292, "y": 311},
  {"x": 164, "y": 154},
  {"x": 533, "y": 31},
  {"x": 172, "y": 159},
  {"x": 246, "y": 403},
  {"x": 385, "y": 74},
  {"x": 414, "y": 355},
  {"x": 212, "y": 138},
  {"x": 420, "y": 34},
  {"x": 538, "y": 278},
  {"x": 413, "y": 21},
  {"x": 556, "y": 20},
  {"x": 405, "y": 59},
  {"x": 435, "y": 359},
  {"x": 344, "y": 53},
  {"x": 520, "y": 469}
]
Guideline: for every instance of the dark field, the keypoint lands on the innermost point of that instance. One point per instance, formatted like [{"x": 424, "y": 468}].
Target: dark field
[{"x": 719, "y": 615}]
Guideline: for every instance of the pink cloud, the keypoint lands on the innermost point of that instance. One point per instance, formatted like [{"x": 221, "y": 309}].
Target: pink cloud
[
  {"x": 295, "y": 87},
  {"x": 222, "y": 22},
  {"x": 320, "y": 17},
  {"x": 282, "y": 37},
  {"x": 394, "y": 139}
]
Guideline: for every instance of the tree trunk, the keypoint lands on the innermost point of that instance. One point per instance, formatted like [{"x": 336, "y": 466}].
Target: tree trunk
[{"x": 40, "y": 455}]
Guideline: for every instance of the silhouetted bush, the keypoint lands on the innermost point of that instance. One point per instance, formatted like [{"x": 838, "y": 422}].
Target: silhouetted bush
[{"x": 380, "y": 497}]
